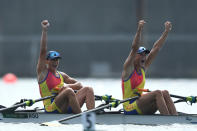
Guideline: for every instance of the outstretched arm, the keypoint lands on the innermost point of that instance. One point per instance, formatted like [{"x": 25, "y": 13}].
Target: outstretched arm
[
  {"x": 158, "y": 44},
  {"x": 128, "y": 65},
  {"x": 41, "y": 67}
]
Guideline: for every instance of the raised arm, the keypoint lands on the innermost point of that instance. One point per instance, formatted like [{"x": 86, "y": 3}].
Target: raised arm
[
  {"x": 41, "y": 67},
  {"x": 128, "y": 65},
  {"x": 158, "y": 44}
]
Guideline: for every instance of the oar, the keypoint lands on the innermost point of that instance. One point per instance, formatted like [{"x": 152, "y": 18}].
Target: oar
[
  {"x": 26, "y": 103},
  {"x": 2, "y": 106},
  {"x": 191, "y": 99},
  {"x": 113, "y": 104}
]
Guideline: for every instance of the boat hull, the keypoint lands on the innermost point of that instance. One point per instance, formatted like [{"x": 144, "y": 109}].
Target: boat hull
[{"x": 103, "y": 119}]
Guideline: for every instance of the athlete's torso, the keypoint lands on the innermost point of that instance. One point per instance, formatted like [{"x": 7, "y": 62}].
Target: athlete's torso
[
  {"x": 132, "y": 84},
  {"x": 50, "y": 84}
]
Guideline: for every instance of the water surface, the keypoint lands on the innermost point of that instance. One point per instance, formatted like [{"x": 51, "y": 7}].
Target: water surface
[{"x": 28, "y": 88}]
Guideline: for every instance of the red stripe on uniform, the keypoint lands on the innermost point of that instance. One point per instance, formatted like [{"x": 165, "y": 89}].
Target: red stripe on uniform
[{"x": 123, "y": 87}]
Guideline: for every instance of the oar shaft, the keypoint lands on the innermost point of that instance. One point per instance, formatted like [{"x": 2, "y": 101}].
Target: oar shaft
[
  {"x": 14, "y": 106},
  {"x": 175, "y": 96},
  {"x": 47, "y": 97},
  {"x": 77, "y": 115},
  {"x": 96, "y": 109}
]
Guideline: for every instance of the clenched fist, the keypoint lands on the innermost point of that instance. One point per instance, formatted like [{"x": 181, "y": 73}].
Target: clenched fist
[
  {"x": 141, "y": 23},
  {"x": 168, "y": 25},
  {"x": 45, "y": 24}
]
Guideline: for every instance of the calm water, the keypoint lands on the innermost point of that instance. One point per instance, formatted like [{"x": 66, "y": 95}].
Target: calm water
[{"x": 28, "y": 88}]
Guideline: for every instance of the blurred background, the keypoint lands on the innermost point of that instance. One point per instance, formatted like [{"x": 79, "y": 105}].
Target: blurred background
[{"x": 94, "y": 36}]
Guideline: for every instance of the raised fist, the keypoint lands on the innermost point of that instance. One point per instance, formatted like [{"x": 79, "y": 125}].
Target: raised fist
[
  {"x": 45, "y": 24},
  {"x": 168, "y": 25},
  {"x": 141, "y": 23}
]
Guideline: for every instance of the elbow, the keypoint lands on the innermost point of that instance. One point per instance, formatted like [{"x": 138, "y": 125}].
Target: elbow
[{"x": 79, "y": 85}]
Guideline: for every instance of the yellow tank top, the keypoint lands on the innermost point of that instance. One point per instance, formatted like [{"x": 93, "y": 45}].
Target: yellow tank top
[
  {"x": 49, "y": 86},
  {"x": 132, "y": 84}
]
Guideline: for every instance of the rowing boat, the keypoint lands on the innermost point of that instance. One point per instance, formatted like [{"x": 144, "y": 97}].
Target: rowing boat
[
  {"x": 11, "y": 115},
  {"x": 104, "y": 118}
]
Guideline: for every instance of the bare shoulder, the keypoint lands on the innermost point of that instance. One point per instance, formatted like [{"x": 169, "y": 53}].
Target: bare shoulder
[
  {"x": 126, "y": 73},
  {"x": 64, "y": 74},
  {"x": 68, "y": 79},
  {"x": 127, "y": 70}
]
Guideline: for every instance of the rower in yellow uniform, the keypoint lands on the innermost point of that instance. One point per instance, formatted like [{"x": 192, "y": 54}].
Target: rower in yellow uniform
[
  {"x": 51, "y": 81},
  {"x": 50, "y": 85},
  {"x": 133, "y": 78},
  {"x": 130, "y": 89}
]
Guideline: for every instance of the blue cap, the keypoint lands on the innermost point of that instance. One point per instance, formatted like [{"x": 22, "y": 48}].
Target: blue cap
[
  {"x": 53, "y": 55},
  {"x": 143, "y": 49}
]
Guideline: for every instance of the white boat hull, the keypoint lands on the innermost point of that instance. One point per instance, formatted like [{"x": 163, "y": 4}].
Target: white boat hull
[{"x": 104, "y": 119}]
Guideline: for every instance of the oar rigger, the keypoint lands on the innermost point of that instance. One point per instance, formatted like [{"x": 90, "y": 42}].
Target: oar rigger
[
  {"x": 191, "y": 99},
  {"x": 106, "y": 98},
  {"x": 26, "y": 103}
]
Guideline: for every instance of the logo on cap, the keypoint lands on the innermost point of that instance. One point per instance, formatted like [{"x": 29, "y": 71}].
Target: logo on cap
[
  {"x": 143, "y": 49},
  {"x": 53, "y": 55}
]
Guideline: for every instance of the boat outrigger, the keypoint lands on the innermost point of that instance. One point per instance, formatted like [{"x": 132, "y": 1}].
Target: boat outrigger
[{"x": 10, "y": 115}]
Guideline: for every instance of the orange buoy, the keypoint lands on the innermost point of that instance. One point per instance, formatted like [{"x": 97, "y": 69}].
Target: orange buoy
[{"x": 9, "y": 78}]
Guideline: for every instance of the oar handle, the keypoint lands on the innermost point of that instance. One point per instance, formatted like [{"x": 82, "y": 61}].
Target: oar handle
[{"x": 181, "y": 97}]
